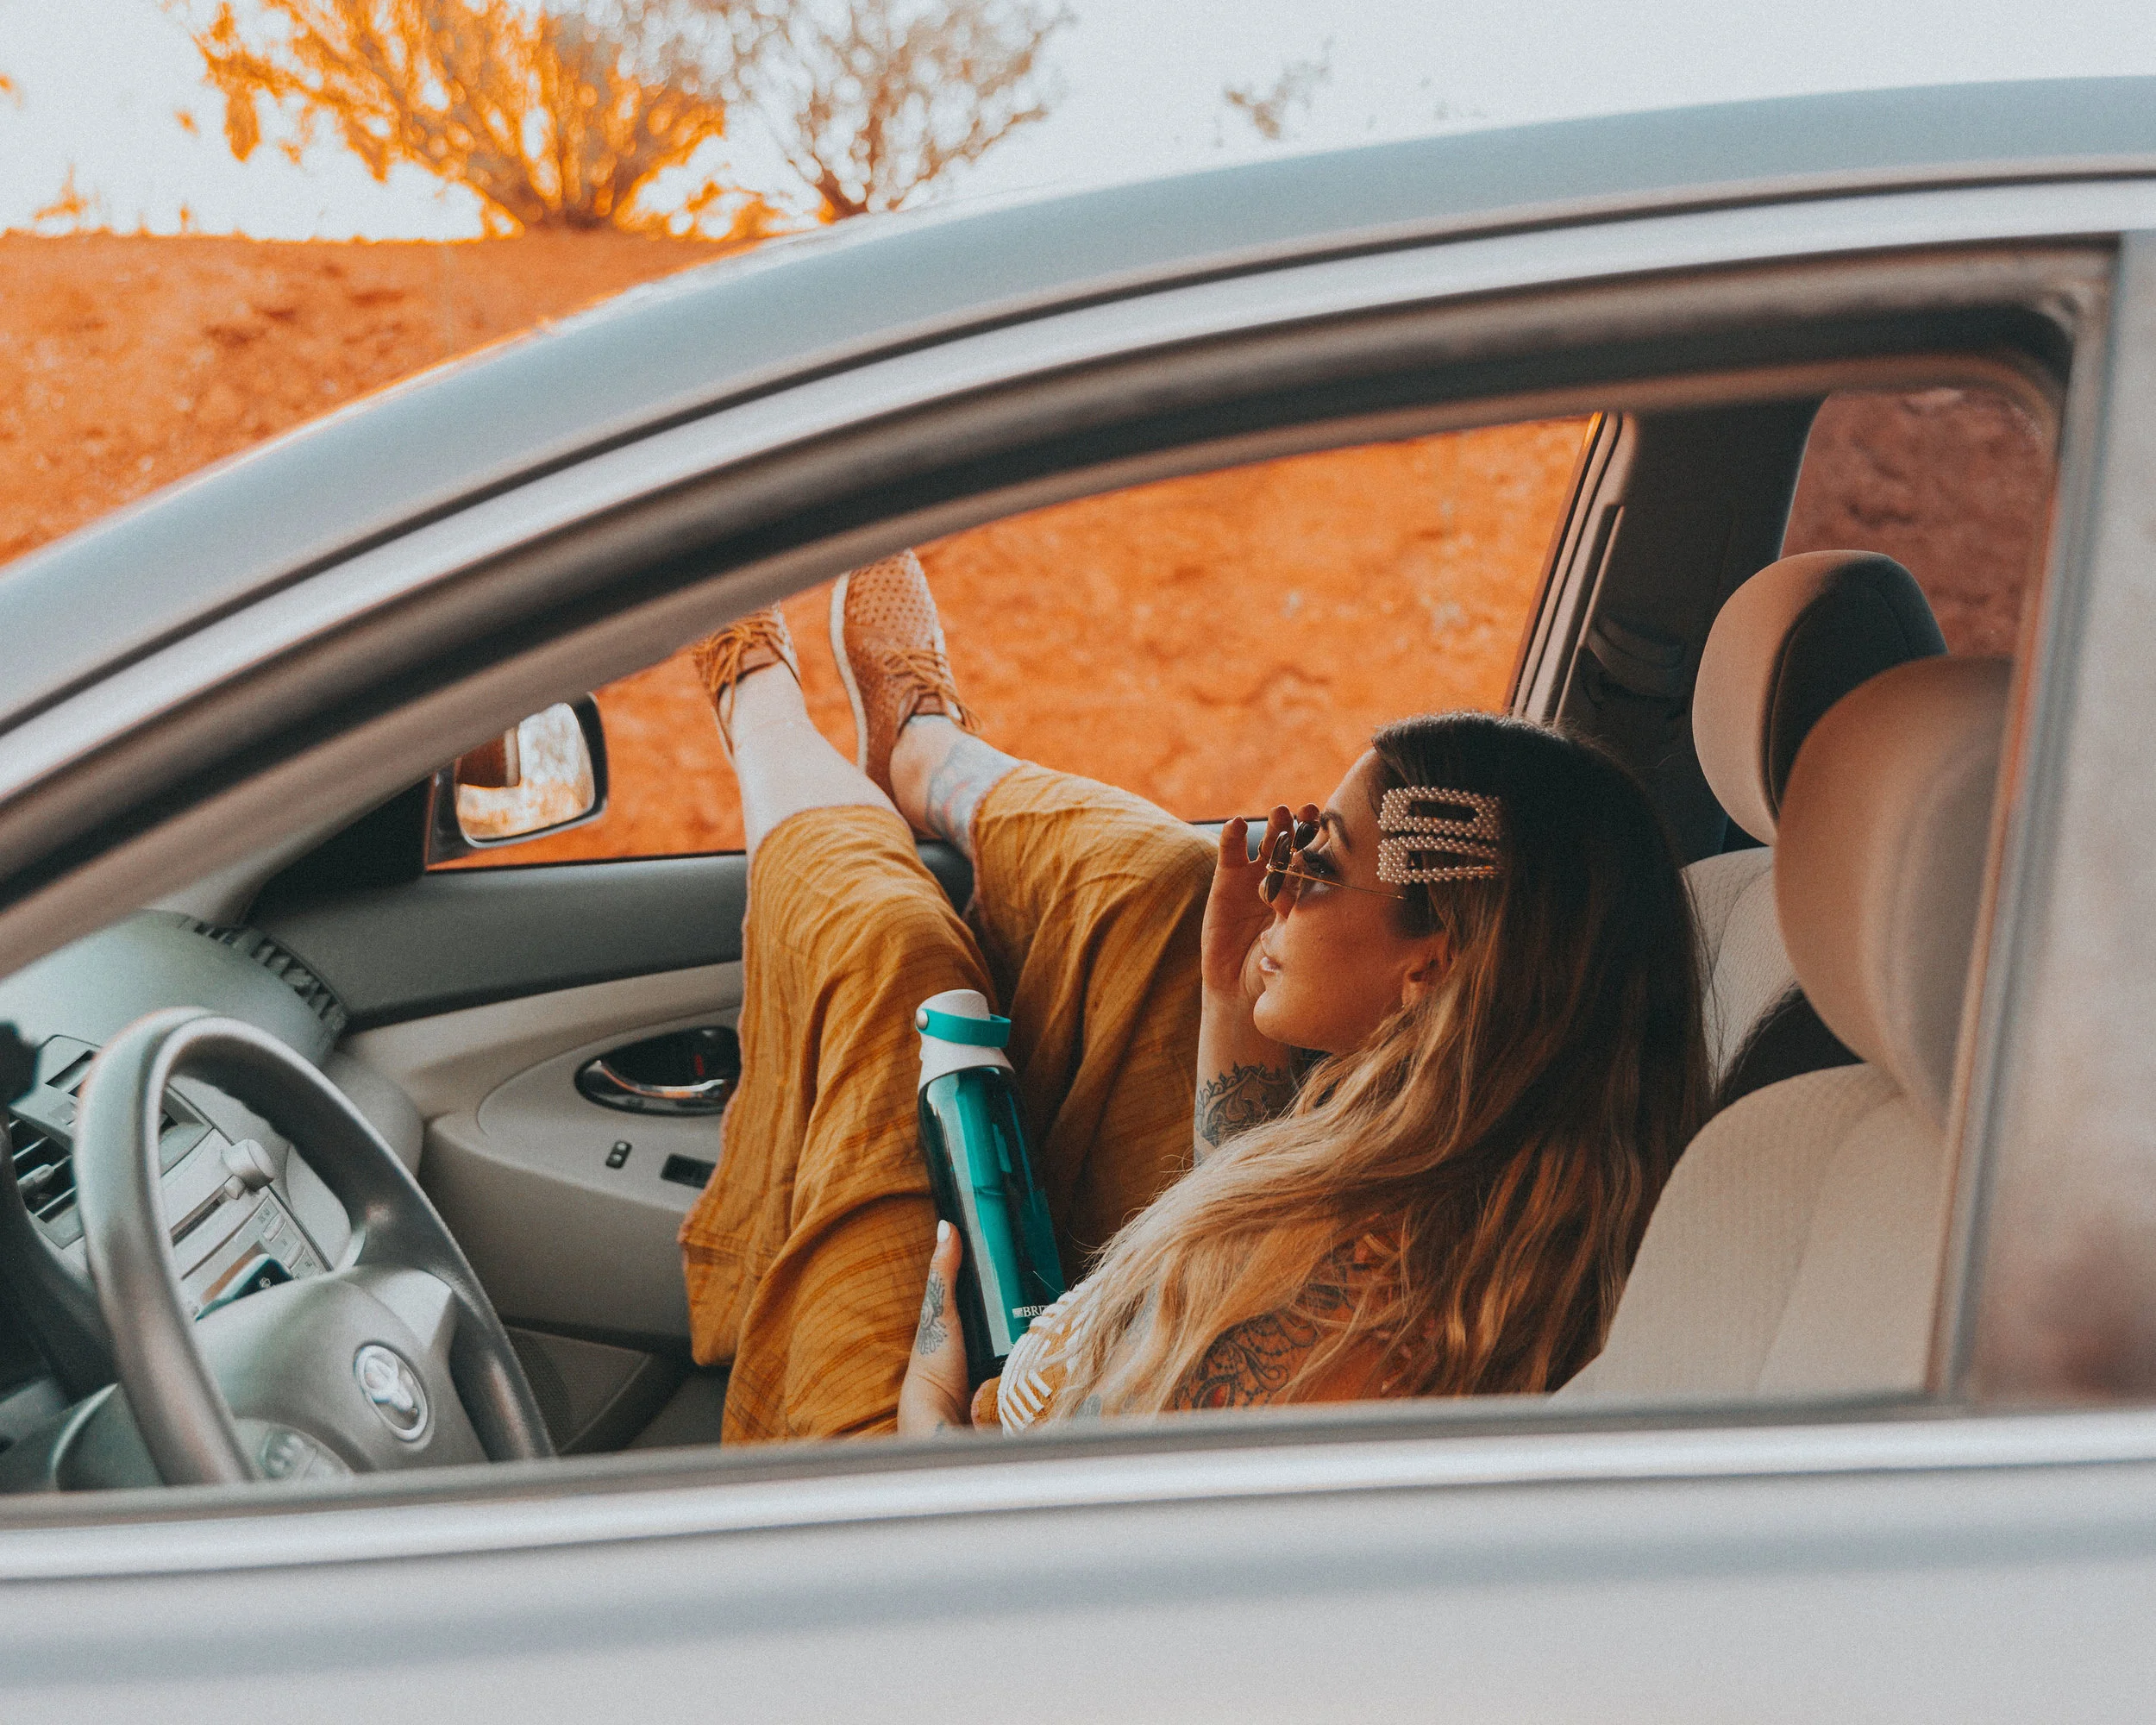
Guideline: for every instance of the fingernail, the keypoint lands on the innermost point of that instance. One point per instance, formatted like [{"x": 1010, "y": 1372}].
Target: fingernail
[{"x": 943, "y": 1231}]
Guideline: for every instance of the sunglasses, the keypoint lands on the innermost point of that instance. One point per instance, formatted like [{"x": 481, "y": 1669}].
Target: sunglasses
[{"x": 1279, "y": 868}]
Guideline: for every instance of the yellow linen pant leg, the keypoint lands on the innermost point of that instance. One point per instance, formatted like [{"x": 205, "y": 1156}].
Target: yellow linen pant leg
[
  {"x": 1088, "y": 902},
  {"x": 806, "y": 1254}
]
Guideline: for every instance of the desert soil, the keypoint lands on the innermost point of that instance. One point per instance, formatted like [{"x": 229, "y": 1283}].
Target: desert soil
[{"x": 1214, "y": 643}]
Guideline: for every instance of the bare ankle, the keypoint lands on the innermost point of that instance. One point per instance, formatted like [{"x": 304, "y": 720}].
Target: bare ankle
[
  {"x": 939, "y": 774},
  {"x": 923, "y": 742}
]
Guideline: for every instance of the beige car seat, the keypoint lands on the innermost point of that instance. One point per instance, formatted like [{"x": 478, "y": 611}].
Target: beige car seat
[
  {"x": 1796, "y": 1250},
  {"x": 1787, "y": 644}
]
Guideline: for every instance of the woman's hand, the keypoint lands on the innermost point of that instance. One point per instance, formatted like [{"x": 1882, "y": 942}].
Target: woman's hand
[
  {"x": 937, "y": 1395},
  {"x": 1243, "y": 1076},
  {"x": 1236, "y": 913}
]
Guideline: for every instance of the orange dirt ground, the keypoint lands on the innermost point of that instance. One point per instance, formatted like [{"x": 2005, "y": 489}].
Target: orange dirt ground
[
  {"x": 127, "y": 362},
  {"x": 1213, "y": 643}
]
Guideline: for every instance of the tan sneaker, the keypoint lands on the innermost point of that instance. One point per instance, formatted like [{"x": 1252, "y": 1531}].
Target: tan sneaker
[
  {"x": 723, "y": 660},
  {"x": 889, "y": 645}
]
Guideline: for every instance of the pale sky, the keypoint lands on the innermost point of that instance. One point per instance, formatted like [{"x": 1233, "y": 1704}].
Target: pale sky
[{"x": 101, "y": 84}]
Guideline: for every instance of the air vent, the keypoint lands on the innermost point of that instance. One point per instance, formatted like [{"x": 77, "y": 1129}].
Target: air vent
[
  {"x": 321, "y": 1000},
  {"x": 45, "y": 1174}
]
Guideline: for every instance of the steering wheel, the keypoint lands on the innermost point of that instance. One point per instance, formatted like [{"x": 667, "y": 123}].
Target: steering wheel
[{"x": 394, "y": 1358}]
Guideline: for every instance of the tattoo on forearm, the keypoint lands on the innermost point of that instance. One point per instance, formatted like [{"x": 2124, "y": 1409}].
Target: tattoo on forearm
[
  {"x": 932, "y": 1333},
  {"x": 955, "y": 788},
  {"x": 1240, "y": 1098}
]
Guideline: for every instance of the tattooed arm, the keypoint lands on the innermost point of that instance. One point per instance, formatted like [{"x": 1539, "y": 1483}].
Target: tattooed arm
[
  {"x": 1243, "y": 1078},
  {"x": 935, "y": 1396},
  {"x": 1234, "y": 1101}
]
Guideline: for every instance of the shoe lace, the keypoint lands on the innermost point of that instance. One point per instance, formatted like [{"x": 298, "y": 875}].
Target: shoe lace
[
  {"x": 929, "y": 671},
  {"x": 718, "y": 658}
]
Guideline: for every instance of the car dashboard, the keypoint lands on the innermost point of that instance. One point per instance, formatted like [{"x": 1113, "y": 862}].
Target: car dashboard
[
  {"x": 244, "y": 1210},
  {"x": 232, "y": 1231}
]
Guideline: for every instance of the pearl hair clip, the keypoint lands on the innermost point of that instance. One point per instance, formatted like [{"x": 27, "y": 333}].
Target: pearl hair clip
[{"x": 1419, "y": 825}]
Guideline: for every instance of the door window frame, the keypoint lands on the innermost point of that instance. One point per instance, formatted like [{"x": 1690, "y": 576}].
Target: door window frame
[{"x": 525, "y": 551}]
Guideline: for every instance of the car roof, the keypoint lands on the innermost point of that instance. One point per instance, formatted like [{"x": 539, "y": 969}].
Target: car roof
[{"x": 670, "y": 350}]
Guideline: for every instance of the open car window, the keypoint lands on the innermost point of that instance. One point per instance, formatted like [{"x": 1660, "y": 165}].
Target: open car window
[
  {"x": 1201, "y": 642},
  {"x": 1206, "y": 640}
]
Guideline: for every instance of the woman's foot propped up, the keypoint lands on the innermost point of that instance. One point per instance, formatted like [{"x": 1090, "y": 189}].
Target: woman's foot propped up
[
  {"x": 913, "y": 729},
  {"x": 755, "y": 643},
  {"x": 781, "y": 762}
]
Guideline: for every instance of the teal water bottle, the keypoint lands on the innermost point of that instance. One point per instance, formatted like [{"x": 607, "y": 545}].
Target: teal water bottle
[{"x": 982, "y": 1176}]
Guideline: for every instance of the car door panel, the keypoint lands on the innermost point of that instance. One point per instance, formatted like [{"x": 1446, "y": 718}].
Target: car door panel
[
  {"x": 476, "y": 996},
  {"x": 456, "y": 939},
  {"x": 515, "y": 1157},
  {"x": 459, "y": 938}
]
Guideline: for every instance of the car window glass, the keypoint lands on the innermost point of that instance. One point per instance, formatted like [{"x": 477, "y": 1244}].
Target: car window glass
[
  {"x": 1953, "y": 483},
  {"x": 1201, "y": 641}
]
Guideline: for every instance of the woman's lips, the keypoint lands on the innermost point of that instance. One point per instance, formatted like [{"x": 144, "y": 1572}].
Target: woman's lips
[{"x": 1267, "y": 965}]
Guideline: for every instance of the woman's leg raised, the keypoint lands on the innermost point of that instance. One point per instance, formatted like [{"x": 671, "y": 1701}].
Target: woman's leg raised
[
  {"x": 1087, "y": 902},
  {"x": 805, "y": 1255}
]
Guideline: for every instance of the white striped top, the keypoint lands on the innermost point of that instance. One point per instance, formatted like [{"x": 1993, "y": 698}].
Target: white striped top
[{"x": 1035, "y": 1371}]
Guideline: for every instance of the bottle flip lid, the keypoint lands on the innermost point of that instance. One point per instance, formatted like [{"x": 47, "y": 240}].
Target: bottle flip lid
[
  {"x": 973, "y": 1033},
  {"x": 958, "y": 1032}
]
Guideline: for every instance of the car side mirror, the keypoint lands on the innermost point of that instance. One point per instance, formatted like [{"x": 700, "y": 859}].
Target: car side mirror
[{"x": 545, "y": 776}]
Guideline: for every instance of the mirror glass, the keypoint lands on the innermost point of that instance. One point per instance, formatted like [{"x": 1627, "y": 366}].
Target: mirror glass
[{"x": 526, "y": 780}]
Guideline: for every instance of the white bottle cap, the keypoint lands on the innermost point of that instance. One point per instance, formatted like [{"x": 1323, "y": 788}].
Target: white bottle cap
[{"x": 941, "y": 1054}]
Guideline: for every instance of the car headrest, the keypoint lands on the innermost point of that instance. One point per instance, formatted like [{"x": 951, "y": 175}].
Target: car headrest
[
  {"x": 1787, "y": 644},
  {"x": 1885, "y": 827}
]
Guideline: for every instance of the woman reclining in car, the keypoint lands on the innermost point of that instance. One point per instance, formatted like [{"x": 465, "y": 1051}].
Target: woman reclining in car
[{"x": 1443, "y": 1037}]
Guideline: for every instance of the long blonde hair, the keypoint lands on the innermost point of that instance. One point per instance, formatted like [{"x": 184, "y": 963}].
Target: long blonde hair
[{"x": 1497, "y": 1145}]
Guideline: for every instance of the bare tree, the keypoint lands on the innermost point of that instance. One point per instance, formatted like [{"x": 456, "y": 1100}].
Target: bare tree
[
  {"x": 72, "y": 210},
  {"x": 872, "y": 100},
  {"x": 556, "y": 120},
  {"x": 1295, "y": 89}
]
